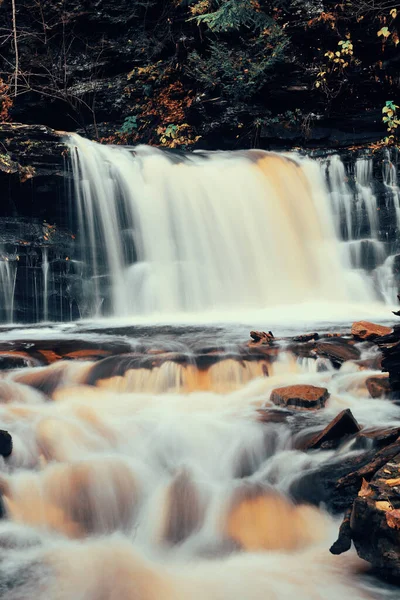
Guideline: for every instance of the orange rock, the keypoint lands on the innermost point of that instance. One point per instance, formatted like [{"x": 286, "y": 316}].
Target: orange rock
[
  {"x": 300, "y": 397},
  {"x": 363, "y": 330}
]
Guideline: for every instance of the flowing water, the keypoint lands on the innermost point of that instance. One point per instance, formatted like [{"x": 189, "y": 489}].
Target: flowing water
[
  {"x": 163, "y": 483},
  {"x": 149, "y": 474}
]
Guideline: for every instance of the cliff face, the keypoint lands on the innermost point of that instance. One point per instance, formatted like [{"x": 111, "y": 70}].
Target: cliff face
[{"x": 161, "y": 72}]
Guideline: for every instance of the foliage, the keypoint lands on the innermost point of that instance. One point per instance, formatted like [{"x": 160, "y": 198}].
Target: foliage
[
  {"x": 232, "y": 15},
  {"x": 5, "y": 101},
  {"x": 391, "y": 118},
  {"x": 129, "y": 125},
  {"x": 338, "y": 61},
  {"x": 167, "y": 72},
  {"x": 175, "y": 136}
]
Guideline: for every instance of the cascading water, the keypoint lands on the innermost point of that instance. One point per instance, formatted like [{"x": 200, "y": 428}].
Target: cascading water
[
  {"x": 148, "y": 492},
  {"x": 222, "y": 231}
]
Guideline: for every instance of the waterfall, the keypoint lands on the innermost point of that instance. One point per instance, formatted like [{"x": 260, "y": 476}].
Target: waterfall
[
  {"x": 162, "y": 233},
  {"x": 173, "y": 235}
]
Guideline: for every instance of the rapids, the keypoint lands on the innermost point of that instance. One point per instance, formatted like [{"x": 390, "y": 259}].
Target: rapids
[{"x": 167, "y": 485}]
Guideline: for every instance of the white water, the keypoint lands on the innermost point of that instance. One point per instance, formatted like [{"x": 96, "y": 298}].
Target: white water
[{"x": 116, "y": 494}]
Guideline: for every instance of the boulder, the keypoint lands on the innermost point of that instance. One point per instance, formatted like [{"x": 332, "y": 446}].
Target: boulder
[
  {"x": 300, "y": 397},
  {"x": 377, "y": 438},
  {"x": 6, "y": 443},
  {"x": 364, "y": 330},
  {"x": 342, "y": 426},
  {"x": 378, "y": 385},
  {"x": 337, "y": 350},
  {"x": 375, "y": 519}
]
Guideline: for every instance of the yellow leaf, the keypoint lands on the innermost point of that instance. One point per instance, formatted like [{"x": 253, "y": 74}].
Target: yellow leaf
[
  {"x": 365, "y": 489},
  {"x": 384, "y": 32},
  {"x": 393, "y": 13},
  {"x": 393, "y": 482},
  {"x": 383, "y": 505}
]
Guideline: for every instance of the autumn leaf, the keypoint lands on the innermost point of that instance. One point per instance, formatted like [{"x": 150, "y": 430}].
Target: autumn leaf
[
  {"x": 393, "y": 519},
  {"x": 384, "y": 32},
  {"x": 365, "y": 489}
]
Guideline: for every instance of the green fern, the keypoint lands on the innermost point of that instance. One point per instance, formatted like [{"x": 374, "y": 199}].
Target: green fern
[{"x": 231, "y": 15}]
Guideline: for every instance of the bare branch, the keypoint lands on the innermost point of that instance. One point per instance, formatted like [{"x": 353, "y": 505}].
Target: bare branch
[{"x": 14, "y": 24}]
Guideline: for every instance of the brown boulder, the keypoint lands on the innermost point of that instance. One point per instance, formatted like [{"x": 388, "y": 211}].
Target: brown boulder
[
  {"x": 300, "y": 397},
  {"x": 378, "y": 385},
  {"x": 343, "y": 425},
  {"x": 364, "y": 330}
]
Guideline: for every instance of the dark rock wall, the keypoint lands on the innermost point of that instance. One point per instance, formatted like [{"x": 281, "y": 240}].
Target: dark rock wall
[{"x": 87, "y": 65}]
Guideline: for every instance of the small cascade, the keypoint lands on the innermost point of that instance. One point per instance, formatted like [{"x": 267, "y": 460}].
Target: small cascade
[
  {"x": 389, "y": 174},
  {"x": 365, "y": 198},
  {"x": 8, "y": 274},
  {"x": 367, "y": 224}
]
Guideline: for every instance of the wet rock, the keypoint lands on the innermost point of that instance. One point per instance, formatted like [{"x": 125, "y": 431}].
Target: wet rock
[
  {"x": 337, "y": 481},
  {"x": 390, "y": 347},
  {"x": 261, "y": 337},
  {"x": 338, "y": 350},
  {"x": 343, "y": 543},
  {"x": 342, "y": 426},
  {"x": 300, "y": 397},
  {"x": 43, "y": 379},
  {"x": 364, "y": 330},
  {"x": 375, "y": 519},
  {"x": 377, "y": 438},
  {"x": 6, "y": 443},
  {"x": 266, "y": 415},
  {"x": 378, "y": 386},
  {"x": 306, "y": 337}
]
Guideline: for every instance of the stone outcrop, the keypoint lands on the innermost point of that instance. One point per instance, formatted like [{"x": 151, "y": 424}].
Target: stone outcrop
[
  {"x": 375, "y": 519},
  {"x": 300, "y": 397}
]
